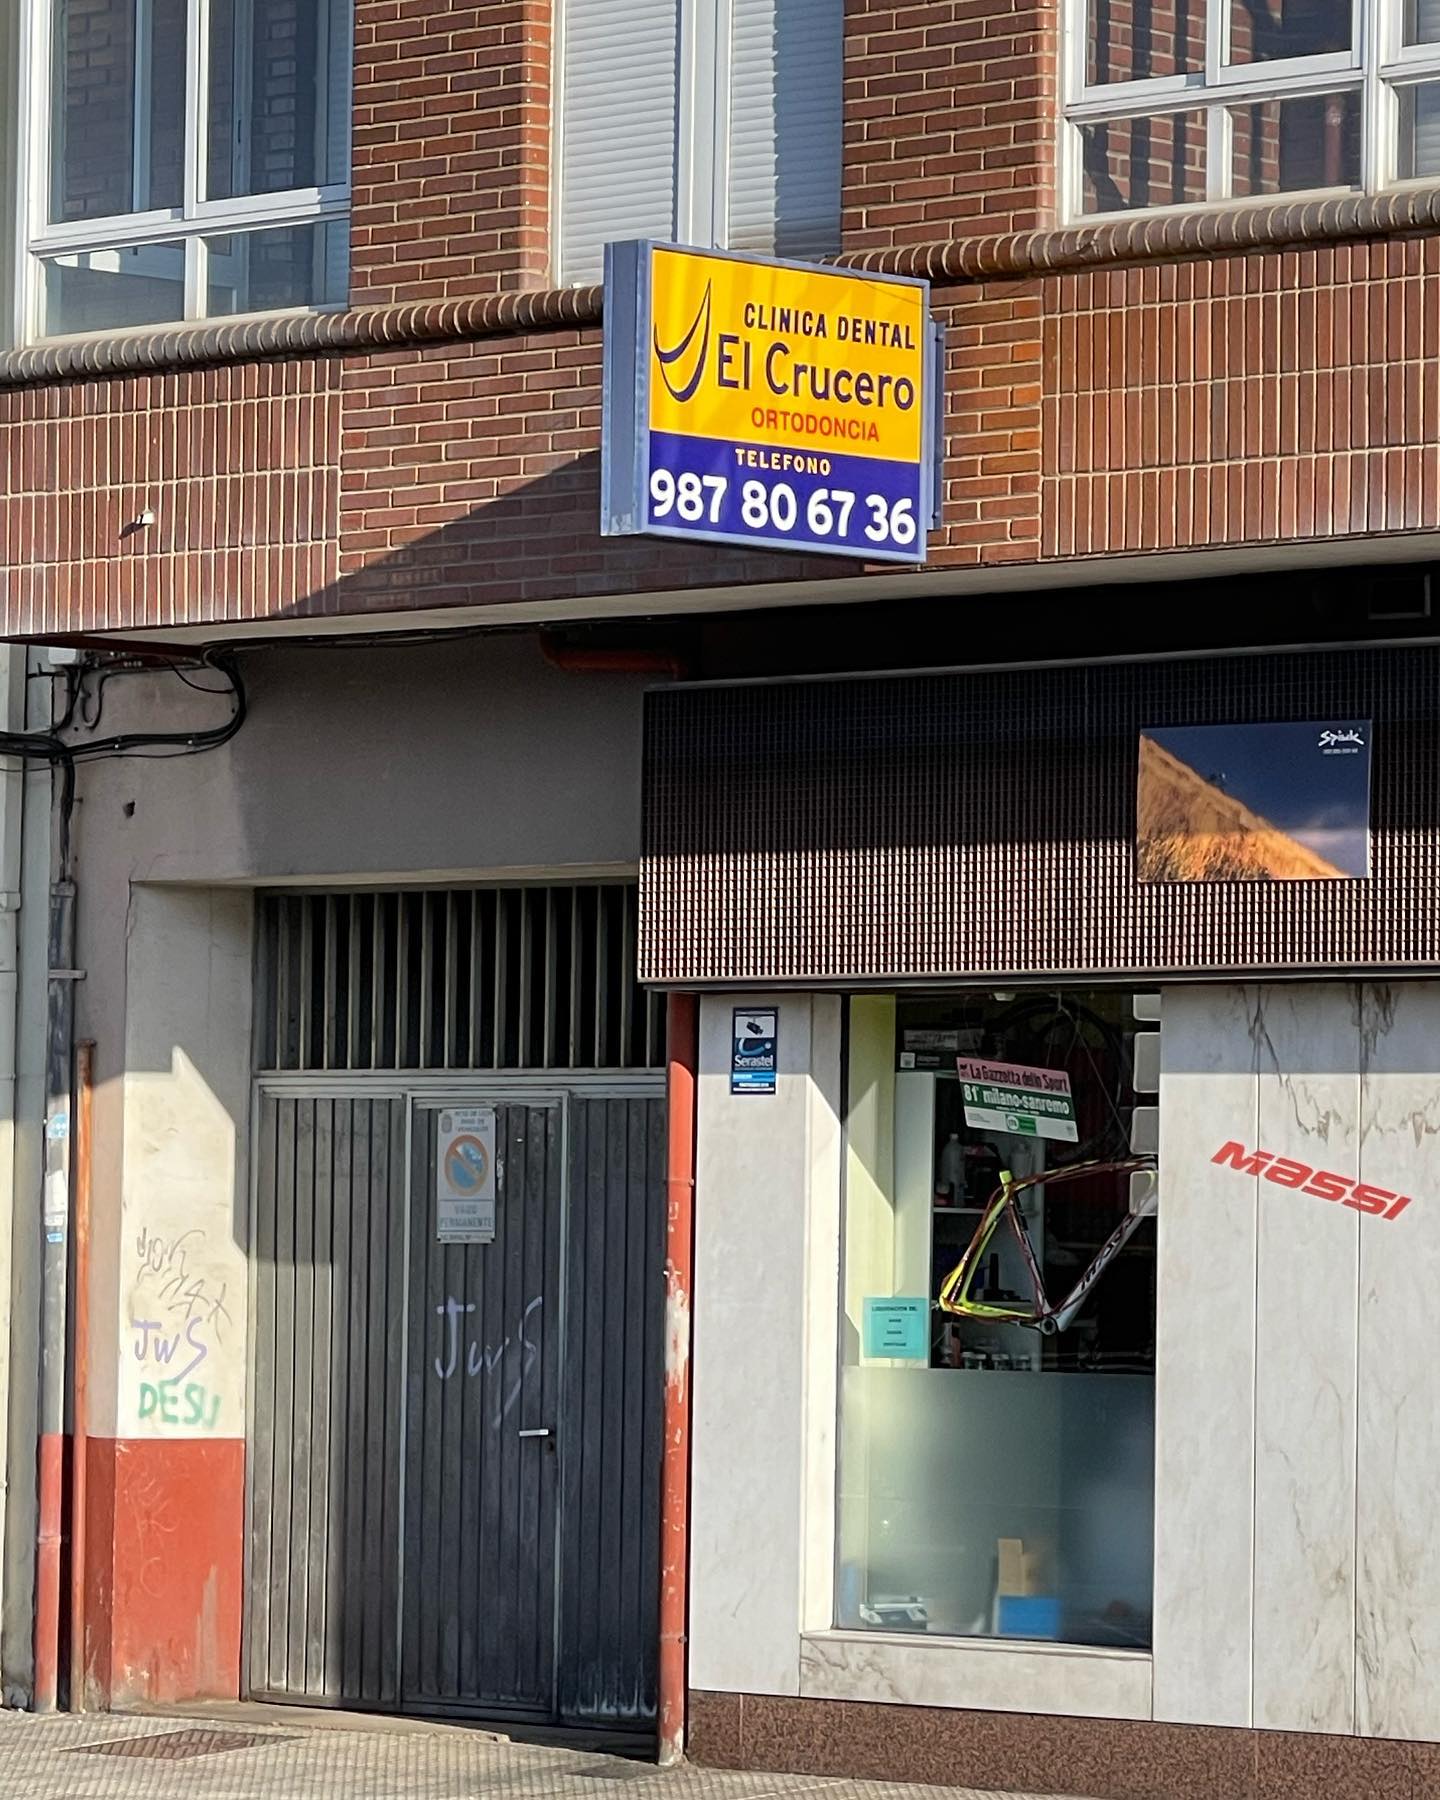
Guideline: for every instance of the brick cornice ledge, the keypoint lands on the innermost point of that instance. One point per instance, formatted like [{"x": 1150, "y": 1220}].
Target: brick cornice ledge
[
  {"x": 951, "y": 262},
  {"x": 1157, "y": 239},
  {"x": 304, "y": 334}
]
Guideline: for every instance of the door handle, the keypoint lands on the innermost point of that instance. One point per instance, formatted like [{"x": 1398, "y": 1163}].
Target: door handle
[{"x": 535, "y": 1431}]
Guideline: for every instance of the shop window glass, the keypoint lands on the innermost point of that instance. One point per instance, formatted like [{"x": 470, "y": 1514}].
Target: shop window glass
[{"x": 995, "y": 1480}]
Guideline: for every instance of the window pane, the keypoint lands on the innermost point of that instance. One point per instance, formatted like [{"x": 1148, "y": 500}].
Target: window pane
[
  {"x": 1266, "y": 30},
  {"x": 994, "y": 1481},
  {"x": 1419, "y": 130},
  {"x": 279, "y": 96},
  {"x": 264, "y": 271},
  {"x": 1422, "y": 21},
  {"x": 1155, "y": 161},
  {"x": 786, "y": 75},
  {"x": 1286, "y": 146},
  {"x": 1135, "y": 40},
  {"x": 107, "y": 290},
  {"x": 119, "y": 108}
]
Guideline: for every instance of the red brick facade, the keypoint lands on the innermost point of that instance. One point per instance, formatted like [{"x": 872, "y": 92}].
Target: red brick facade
[{"x": 1177, "y": 399}]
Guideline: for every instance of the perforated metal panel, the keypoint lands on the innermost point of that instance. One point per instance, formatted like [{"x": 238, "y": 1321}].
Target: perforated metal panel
[
  {"x": 982, "y": 825},
  {"x": 461, "y": 978}
]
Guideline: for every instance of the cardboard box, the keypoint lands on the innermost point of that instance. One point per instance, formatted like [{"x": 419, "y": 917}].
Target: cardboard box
[{"x": 1012, "y": 1566}]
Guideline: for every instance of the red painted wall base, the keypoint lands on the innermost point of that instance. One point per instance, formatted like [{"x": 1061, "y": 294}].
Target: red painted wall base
[{"x": 165, "y": 1522}]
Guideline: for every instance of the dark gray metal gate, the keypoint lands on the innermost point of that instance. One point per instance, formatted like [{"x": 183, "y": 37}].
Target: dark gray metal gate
[
  {"x": 409, "y": 1547},
  {"x": 481, "y": 1475},
  {"x": 329, "y": 1264}
]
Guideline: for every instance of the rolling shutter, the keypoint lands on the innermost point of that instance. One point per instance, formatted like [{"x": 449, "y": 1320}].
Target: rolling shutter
[
  {"x": 785, "y": 126},
  {"x": 618, "y": 95}
]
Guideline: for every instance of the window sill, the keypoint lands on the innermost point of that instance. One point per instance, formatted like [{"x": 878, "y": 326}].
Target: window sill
[{"x": 984, "y": 1674}]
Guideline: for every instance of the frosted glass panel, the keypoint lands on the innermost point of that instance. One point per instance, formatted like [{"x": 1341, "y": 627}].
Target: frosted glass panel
[{"x": 944, "y": 1473}]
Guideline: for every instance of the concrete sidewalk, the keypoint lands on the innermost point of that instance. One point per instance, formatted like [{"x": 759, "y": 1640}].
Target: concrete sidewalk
[{"x": 102, "y": 1757}]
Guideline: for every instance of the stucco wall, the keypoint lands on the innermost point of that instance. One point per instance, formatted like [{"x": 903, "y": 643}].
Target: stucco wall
[{"x": 463, "y": 761}]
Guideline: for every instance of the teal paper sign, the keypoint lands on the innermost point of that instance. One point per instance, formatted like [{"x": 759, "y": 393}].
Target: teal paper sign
[{"x": 897, "y": 1326}]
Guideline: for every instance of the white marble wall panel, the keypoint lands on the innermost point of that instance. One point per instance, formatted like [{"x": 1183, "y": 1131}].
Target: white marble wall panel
[
  {"x": 925, "y": 1671},
  {"x": 1397, "y": 1600},
  {"x": 1307, "y": 1270},
  {"x": 1205, "y": 1371}
]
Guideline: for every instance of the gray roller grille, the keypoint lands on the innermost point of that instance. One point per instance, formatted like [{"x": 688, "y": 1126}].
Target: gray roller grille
[
  {"x": 498, "y": 977},
  {"x": 409, "y": 1549}
]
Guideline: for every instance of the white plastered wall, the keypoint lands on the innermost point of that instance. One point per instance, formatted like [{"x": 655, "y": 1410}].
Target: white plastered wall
[
  {"x": 767, "y": 1268},
  {"x": 176, "y": 1241}
]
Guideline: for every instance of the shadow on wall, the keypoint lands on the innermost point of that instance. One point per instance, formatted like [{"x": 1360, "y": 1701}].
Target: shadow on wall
[{"x": 530, "y": 543}]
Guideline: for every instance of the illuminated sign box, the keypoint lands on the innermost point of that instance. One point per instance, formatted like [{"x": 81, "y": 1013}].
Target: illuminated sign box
[{"x": 782, "y": 405}]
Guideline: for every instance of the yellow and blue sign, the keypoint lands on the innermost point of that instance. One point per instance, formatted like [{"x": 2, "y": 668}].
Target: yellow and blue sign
[{"x": 750, "y": 401}]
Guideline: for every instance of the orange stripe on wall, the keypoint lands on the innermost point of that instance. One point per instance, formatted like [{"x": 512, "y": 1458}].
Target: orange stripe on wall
[{"x": 165, "y": 1521}]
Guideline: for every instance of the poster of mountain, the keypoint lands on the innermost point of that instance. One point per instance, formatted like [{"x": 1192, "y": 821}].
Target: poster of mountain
[{"x": 1270, "y": 802}]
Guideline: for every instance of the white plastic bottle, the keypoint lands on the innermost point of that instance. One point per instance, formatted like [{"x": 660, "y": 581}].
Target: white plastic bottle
[{"x": 952, "y": 1170}]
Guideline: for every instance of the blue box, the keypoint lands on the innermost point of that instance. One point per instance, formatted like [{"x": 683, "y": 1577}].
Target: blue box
[{"x": 1028, "y": 1616}]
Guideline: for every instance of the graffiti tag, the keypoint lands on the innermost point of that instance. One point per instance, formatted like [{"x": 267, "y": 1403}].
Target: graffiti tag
[{"x": 488, "y": 1360}]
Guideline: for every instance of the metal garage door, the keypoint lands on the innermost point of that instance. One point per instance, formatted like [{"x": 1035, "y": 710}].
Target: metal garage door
[{"x": 455, "y": 1448}]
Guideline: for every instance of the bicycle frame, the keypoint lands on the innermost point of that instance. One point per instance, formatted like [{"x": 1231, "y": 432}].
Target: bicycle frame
[{"x": 955, "y": 1296}]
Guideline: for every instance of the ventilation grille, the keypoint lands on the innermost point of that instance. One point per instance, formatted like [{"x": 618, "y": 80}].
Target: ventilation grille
[
  {"x": 463, "y": 978},
  {"x": 982, "y": 825}
]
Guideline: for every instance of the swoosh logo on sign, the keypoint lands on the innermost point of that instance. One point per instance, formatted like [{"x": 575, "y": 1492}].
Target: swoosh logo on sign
[{"x": 699, "y": 326}]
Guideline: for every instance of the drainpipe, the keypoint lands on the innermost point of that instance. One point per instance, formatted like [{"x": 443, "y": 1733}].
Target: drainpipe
[
  {"x": 80, "y": 1350},
  {"x": 54, "y": 1222},
  {"x": 681, "y": 1035}
]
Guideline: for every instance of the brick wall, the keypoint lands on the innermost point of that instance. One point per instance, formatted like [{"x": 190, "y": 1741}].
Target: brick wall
[
  {"x": 949, "y": 119},
  {"x": 451, "y": 148},
  {"x": 240, "y": 465},
  {"x": 1244, "y": 400}
]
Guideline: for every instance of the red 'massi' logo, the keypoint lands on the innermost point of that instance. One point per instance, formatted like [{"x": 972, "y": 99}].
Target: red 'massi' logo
[{"x": 1322, "y": 1182}]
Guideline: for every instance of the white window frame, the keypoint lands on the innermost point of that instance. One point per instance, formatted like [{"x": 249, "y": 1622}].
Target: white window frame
[
  {"x": 191, "y": 222},
  {"x": 1377, "y": 68}
]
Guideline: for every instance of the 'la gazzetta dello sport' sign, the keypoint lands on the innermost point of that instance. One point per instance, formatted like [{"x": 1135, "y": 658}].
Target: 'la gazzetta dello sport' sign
[{"x": 750, "y": 401}]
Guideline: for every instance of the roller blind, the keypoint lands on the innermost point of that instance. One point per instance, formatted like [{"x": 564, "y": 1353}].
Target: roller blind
[
  {"x": 618, "y": 100},
  {"x": 785, "y": 126}
]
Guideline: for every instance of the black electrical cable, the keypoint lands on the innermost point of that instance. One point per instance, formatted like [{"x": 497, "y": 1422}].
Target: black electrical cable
[
  {"x": 182, "y": 742},
  {"x": 50, "y": 747}
]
